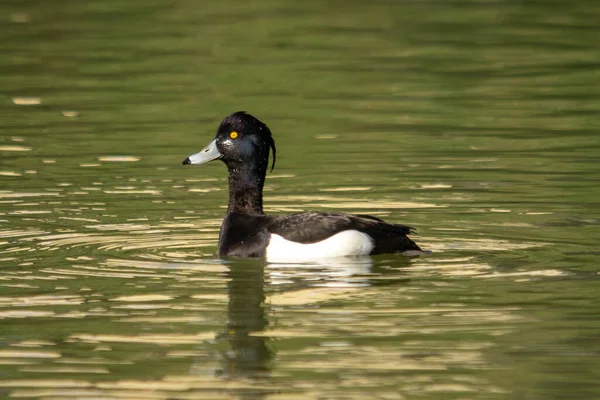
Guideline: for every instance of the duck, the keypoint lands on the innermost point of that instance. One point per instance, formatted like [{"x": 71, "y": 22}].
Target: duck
[{"x": 243, "y": 143}]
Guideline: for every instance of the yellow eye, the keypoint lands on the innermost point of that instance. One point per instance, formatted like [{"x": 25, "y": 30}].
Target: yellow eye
[{"x": 233, "y": 135}]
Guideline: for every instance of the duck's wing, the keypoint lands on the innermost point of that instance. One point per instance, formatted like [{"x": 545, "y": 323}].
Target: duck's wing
[
  {"x": 406, "y": 228},
  {"x": 310, "y": 227},
  {"x": 313, "y": 227}
]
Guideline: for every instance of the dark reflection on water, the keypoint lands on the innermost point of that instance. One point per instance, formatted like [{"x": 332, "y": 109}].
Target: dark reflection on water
[{"x": 247, "y": 355}]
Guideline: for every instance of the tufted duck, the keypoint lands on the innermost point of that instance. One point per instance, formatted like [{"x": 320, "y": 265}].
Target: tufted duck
[{"x": 242, "y": 143}]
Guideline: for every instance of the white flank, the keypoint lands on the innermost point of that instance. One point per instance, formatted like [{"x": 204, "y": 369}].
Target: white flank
[{"x": 343, "y": 244}]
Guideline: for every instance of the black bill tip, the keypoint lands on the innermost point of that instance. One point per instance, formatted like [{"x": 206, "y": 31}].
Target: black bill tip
[{"x": 187, "y": 161}]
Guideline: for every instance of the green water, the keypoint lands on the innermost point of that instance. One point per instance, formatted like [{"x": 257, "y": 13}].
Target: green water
[{"x": 474, "y": 121}]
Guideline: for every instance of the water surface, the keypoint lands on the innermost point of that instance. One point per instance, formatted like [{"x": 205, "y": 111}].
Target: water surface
[{"x": 475, "y": 122}]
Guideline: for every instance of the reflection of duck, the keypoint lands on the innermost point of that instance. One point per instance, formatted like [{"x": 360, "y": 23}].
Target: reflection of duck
[
  {"x": 248, "y": 352},
  {"x": 243, "y": 143},
  {"x": 247, "y": 355},
  {"x": 335, "y": 272}
]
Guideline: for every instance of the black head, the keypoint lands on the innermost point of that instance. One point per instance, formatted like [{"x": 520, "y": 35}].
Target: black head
[{"x": 241, "y": 140}]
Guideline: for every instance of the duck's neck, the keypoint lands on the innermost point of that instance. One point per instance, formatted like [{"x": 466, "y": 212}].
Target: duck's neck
[{"x": 245, "y": 189}]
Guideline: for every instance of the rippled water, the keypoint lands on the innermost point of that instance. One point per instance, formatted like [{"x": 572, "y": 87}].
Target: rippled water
[{"x": 475, "y": 122}]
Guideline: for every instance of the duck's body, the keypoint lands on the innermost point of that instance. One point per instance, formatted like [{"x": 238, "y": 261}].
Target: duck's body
[
  {"x": 310, "y": 235},
  {"x": 243, "y": 143}
]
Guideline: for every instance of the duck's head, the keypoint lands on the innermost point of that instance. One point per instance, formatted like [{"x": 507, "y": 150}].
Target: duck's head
[{"x": 241, "y": 140}]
